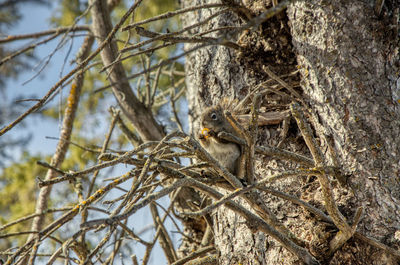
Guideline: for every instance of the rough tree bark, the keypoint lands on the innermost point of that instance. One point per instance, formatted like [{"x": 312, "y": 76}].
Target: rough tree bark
[
  {"x": 349, "y": 65},
  {"x": 351, "y": 56}
]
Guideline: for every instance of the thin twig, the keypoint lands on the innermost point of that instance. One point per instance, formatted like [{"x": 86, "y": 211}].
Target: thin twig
[
  {"x": 283, "y": 83},
  {"x": 195, "y": 254},
  {"x": 21, "y": 51},
  {"x": 79, "y": 174},
  {"x": 159, "y": 36},
  {"x": 171, "y": 14},
  {"x": 25, "y": 218},
  {"x": 271, "y": 151},
  {"x": 164, "y": 238},
  {"x": 131, "y": 210},
  {"x": 259, "y": 185},
  {"x": 170, "y": 37},
  {"x": 132, "y": 137},
  {"x": 162, "y": 63},
  {"x": 252, "y": 138},
  {"x": 100, "y": 245},
  {"x": 44, "y": 33}
]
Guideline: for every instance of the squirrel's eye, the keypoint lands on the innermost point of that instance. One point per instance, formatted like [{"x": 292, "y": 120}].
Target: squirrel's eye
[{"x": 213, "y": 116}]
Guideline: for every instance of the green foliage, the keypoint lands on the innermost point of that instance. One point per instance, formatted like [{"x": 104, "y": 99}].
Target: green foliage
[
  {"x": 18, "y": 184},
  {"x": 78, "y": 158},
  {"x": 8, "y": 17},
  {"x": 66, "y": 12},
  {"x": 146, "y": 10},
  {"x": 153, "y": 8},
  {"x": 18, "y": 190}
]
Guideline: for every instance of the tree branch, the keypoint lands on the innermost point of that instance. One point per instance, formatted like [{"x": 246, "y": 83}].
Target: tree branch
[{"x": 137, "y": 113}]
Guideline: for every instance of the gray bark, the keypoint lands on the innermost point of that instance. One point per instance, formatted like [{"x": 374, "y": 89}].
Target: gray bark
[
  {"x": 349, "y": 72},
  {"x": 351, "y": 58},
  {"x": 211, "y": 74}
]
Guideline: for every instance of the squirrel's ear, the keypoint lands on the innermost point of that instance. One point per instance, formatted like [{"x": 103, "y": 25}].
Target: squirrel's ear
[
  {"x": 265, "y": 118},
  {"x": 227, "y": 104}
]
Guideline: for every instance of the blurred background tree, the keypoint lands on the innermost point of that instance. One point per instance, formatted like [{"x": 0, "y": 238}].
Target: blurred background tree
[{"x": 19, "y": 171}]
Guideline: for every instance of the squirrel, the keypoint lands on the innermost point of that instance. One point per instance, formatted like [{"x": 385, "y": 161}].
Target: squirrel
[{"x": 212, "y": 122}]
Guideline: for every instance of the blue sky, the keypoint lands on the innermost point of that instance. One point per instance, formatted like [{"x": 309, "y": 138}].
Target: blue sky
[{"x": 35, "y": 19}]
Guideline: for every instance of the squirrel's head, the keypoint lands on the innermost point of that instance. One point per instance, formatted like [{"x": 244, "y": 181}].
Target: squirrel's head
[{"x": 213, "y": 119}]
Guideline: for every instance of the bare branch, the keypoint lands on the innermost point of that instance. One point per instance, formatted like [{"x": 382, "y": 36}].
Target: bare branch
[
  {"x": 137, "y": 113},
  {"x": 193, "y": 255},
  {"x": 30, "y": 47},
  {"x": 171, "y": 14},
  {"x": 337, "y": 217}
]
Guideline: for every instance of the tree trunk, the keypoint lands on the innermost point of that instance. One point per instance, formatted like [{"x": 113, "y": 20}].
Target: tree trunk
[
  {"x": 349, "y": 64},
  {"x": 348, "y": 61}
]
